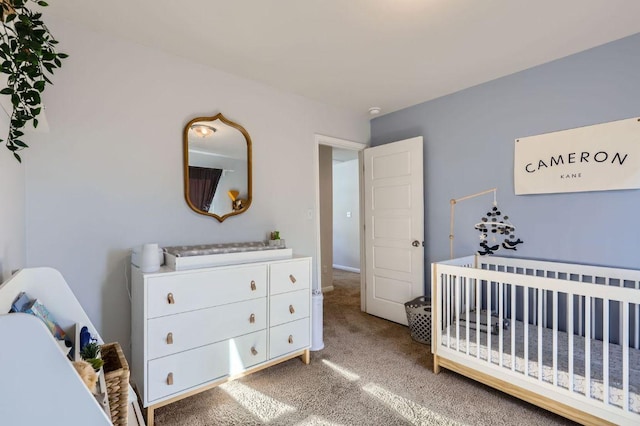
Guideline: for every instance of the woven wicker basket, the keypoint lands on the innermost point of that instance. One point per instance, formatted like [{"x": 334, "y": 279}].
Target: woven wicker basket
[{"x": 116, "y": 376}]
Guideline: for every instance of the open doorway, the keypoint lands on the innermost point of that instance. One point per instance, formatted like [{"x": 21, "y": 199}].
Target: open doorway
[
  {"x": 346, "y": 224},
  {"x": 339, "y": 200}
]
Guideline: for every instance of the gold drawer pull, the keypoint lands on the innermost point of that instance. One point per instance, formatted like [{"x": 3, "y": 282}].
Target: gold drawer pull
[
  {"x": 290, "y": 339},
  {"x": 252, "y": 318},
  {"x": 169, "y": 338},
  {"x": 170, "y": 299},
  {"x": 170, "y": 379},
  {"x": 254, "y": 352},
  {"x": 293, "y": 311},
  {"x": 292, "y": 278},
  {"x": 253, "y": 285}
]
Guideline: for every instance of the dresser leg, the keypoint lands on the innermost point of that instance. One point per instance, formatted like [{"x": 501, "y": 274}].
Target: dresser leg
[
  {"x": 306, "y": 356},
  {"x": 149, "y": 412}
]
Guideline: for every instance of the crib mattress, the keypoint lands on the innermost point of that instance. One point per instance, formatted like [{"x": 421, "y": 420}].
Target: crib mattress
[{"x": 596, "y": 390}]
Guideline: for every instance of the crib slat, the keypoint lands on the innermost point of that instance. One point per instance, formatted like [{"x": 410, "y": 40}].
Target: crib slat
[
  {"x": 448, "y": 308},
  {"x": 526, "y": 331},
  {"x": 489, "y": 285},
  {"x": 467, "y": 287},
  {"x": 543, "y": 315},
  {"x": 535, "y": 304},
  {"x": 625, "y": 357},
  {"x": 636, "y": 337},
  {"x": 637, "y": 323},
  {"x": 580, "y": 316},
  {"x": 587, "y": 346},
  {"x": 500, "y": 316},
  {"x": 456, "y": 296},
  {"x": 478, "y": 307},
  {"x": 540, "y": 303},
  {"x": 593, "y": 317},
  {"x": 605, "y": 349},
  {"x": 620, "y": 319},
  {"x": 554, "y": 300},
  {"x": 513, "y": 327},
  {"x": 570, "y": 339}
]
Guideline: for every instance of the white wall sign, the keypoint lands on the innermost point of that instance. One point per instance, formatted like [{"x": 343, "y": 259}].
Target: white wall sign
[{"x": 593, "y": 158}]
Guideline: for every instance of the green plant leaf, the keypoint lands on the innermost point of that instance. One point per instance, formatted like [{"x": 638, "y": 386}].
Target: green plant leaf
[
  {"x": 27, "y": 54},
  {"x": 96, "y": 363}
]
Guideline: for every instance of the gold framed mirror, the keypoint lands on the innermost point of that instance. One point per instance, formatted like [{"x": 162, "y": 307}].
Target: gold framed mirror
[{"x": 217, "y": 167}]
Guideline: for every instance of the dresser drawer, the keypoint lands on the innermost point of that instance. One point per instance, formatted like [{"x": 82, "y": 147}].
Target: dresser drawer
[
  {"x": 288, "y": 337},
  {"x": 197, "y": 366},
  {"x": 247, "y": 351},
  {"x": 289, "y": 276},
  {"x": 176, "y": 333},
  {"x": 288, "y": 307},
  {"x": 178, "y": 372},
  {"x": 172, "y": 294}
]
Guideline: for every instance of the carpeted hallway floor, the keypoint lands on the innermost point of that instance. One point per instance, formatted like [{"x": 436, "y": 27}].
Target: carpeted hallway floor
[{"x": 370, "y": 373}]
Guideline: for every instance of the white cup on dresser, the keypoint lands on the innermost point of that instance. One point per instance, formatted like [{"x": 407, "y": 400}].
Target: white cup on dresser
[{"x": 150, "y": 259}]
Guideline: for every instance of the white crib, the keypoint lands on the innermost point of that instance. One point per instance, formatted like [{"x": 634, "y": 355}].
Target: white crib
[{"x": 567, "y": 336}]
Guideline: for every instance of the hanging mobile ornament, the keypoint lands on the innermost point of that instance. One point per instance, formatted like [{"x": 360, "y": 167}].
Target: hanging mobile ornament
[{"x": 497, "y": 225}]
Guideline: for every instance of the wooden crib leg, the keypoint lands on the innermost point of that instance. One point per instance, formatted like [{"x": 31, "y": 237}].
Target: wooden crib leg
[{"x": 436, "y": 366}]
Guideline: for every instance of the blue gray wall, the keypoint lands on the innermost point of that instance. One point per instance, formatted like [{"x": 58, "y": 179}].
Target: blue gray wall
[{"x": 469, "y": 142}]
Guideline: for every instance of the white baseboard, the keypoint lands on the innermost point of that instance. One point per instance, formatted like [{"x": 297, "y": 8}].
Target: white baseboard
[
  {"x": 327, "y": 288},
  {"x": 347, "y": 268}
]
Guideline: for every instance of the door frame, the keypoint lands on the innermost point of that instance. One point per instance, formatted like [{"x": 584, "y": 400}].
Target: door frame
[{"x": 353, "y": 146}]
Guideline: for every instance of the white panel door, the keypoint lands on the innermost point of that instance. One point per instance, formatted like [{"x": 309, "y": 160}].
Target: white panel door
[{"x": 394, "y": 227}]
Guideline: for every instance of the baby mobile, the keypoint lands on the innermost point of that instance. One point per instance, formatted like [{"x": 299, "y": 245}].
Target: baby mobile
[{"x": 496, "y": 230}]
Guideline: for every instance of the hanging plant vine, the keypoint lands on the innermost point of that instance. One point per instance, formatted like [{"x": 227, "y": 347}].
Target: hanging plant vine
[{"x": 27, "y": 53}]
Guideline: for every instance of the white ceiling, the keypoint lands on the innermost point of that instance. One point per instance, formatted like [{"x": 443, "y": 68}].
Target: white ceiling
[{"x": 362, "y": 53}]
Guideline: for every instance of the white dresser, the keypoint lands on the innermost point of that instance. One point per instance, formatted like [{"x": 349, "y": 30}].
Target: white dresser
[{"x": 195, "y": 329}]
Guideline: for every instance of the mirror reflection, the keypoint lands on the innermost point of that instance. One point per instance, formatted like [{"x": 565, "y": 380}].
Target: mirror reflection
[{"x": 217, "y": 167}]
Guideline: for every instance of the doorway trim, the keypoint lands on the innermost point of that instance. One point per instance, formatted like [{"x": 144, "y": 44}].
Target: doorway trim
[{"x": 353, "y": 146}]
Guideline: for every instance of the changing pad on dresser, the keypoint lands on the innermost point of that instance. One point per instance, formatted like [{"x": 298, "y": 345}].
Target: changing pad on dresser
[{"x": 205, "y": 255}]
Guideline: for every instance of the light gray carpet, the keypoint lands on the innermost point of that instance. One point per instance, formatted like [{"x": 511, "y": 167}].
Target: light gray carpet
[{"x": 370, "y": 373}]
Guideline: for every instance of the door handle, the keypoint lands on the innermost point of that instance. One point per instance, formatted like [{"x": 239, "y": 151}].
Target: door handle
[{"x": 415, "y": 243}]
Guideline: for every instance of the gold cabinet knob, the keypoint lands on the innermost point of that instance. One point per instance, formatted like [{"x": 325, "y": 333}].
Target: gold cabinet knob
[
  {"x": 254, "y": 352},
  {"x": 291, "y": 310},
  {"x": 252, "y": 318},
  {"x": 290, "y": 339},
  {"x": 170, "y": 299},
  {"x": 170, "y": 379},
  {"x": 253, "y": 285},
  {"x": 292, "y": 278},
  {"x": 169, "y": 338}
]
